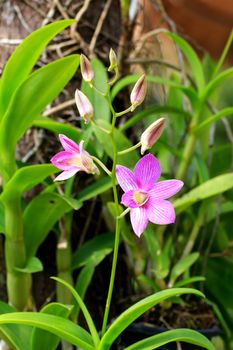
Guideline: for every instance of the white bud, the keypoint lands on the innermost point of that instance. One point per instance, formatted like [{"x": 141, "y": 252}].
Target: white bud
[
  {"x": 86, "y": 70},
  {"x": 138, "y": 93},
  {"x": 152, "y": 134},
  {"x": 84, "y": 106}
]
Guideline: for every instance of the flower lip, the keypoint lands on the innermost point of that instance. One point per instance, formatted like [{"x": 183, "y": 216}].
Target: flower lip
[{"x": 140, "y": 197}]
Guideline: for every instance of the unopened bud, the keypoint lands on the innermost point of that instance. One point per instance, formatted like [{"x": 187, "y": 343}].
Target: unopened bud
[
  {"x": 86, "y": 70},
  {"x": 138, "y": 93},
  {"x": 84, "y": 106},
  {"x": 112, "y": 60},
  {"x": 152, "y": 134}
]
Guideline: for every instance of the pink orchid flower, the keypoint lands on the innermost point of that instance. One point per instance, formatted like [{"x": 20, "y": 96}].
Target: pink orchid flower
[
  {"x": 145, "y": 198},
  {"x": 73, "y": 159}
]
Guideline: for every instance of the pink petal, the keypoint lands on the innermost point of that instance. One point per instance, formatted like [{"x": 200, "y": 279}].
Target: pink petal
[
  {"x": 160, "y": 212},
  {"x": 125, "y": 178},
  {"x": 68, "y": 144},
  {"x": 128, "y": 200},
  {"x": 147, "y": 171},
  {"x": 66, "y": 175},
  {"x": 62, "y": 160},
  {"x": 139, "y": 220},
  {"x": 166, "y": 189}
]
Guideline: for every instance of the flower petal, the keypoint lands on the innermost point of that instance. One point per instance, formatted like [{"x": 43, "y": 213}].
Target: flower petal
[
  {"x": 125, "y": 178},
  {"x": 128, "y": 200},
  {"x": 68, "y": 144},
  {"x": 66, "y": 175},
  {"x": 160, "y": 212},
  {"x": 62, "y": 160},
  {"x": 166, "y": 189},
  {"x": 139, "y": 220},
  {"x": 147, "y": 171}
]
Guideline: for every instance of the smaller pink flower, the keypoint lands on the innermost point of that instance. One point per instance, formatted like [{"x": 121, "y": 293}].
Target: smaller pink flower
[
  {"x": 73, "y": 159},
  {"x": 145, "y": 198}
]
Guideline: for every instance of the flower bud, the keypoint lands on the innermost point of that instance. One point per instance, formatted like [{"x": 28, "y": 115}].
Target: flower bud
[
  {"x": 112, "y": 60},
  {"x": 138, "y": 93},
  {"x": 152, "y": 134},
  {"x": 84, "y": 106},
  {"x": 86, "y": 70}
]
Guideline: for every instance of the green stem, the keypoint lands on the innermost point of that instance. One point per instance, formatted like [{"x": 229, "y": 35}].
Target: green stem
[
  {"x": 63, "y": 259},
  {"x": 18, "y": 283},
  {"x": 102, "y": 165},
  {"x": 119, "y": 114},
  {"x": 195, "y": 231},
  {"x": 127, "y": 150},
  {"x": 187, "y": 156},
  {"x": 117, "y": 232},
  {"x": 224, "y": 54}
]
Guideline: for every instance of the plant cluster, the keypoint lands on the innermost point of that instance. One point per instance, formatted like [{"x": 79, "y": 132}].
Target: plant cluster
[{"x": 163, "y": 264}]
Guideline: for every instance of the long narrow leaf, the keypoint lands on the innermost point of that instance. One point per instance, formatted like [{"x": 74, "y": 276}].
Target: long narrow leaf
[
  {"x": 212, "y": 187},
  {"x": 131, "y": 314},
  {"x": 226, "y": 112},
  {"x": 215, "y": 83},
  {"x": 84, "y": 309},
  {"x": 184, "y": 335},
  {"x": 57, "y": 325},
  {"x": 192, "y": 58},
  {"x": 58, "y": 128}
]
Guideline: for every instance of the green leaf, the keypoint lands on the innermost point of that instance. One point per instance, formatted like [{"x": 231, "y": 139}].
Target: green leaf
[
  {"x": 84, "y": 309},
  {"x": 82, "y": 283},
  {"x": 40, "y": 216},
  {"x": 15, "y": 335},
  {"x": 182, "y": 266},
  {"x": 216, "y": 82},
  {"x": 93, "y": 250},
  {"x": 58, "y": 128},
  {"x": 2, "y": 218},
  {"x": 184, "y": 335},
  {"x": 97, "y": 100},
  {"x": 33, "y": 265},
  {"x": 192, "y": 58},
  {"x": 212, "y": 187},
  {"x": 95, "y": 189},
  {"x": 34, "y": 94},
  {"x": 155, "y": 111},
  {"x": 57, "y": 325},
  {"x": 131, "y": 79},
  {"x": 26, "y": 178},
  {"x": 132, "y": 313},
  {"x": 190, "y": 280},
  {"x": 45, "y": 340},
  {"x": 24, "y": 58},
  {"x": 226, "y": 112}
]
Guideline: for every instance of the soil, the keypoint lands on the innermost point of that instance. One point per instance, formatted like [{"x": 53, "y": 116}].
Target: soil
[{"x": 195, "y": 315}]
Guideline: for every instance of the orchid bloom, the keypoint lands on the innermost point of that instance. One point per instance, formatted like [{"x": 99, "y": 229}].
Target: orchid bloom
[
  {"x": 73, "y": 159},
  {"x": 145, "y": 198}
]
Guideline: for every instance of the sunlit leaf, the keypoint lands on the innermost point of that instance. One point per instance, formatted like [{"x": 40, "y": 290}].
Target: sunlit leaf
[{"x": 24, "y": 58}]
